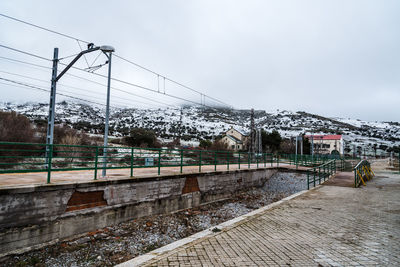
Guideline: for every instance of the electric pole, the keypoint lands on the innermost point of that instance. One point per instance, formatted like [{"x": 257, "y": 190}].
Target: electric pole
[
  {"x": 52, "y": 105},
  {"x": 104, "y": 172},
  {"x": 54, "y": 79},
  {"x": 252, "y": 132}
]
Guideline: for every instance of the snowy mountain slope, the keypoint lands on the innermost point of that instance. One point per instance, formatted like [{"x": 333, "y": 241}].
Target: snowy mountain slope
[{"x": 198, "y": 123}]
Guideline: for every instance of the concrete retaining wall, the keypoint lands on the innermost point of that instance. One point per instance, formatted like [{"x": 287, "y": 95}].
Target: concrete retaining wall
[{"x": 31, "y": 217}]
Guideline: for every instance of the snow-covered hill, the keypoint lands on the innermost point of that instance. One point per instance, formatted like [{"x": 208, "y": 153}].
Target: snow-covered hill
[{"x": 199, "y": 123}]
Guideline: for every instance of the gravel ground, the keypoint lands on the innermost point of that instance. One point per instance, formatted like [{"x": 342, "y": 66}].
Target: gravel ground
[{"x": 119, "y": 243}]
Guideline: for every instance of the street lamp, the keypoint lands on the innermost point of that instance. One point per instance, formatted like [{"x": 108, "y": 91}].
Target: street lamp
[{"x": 107, "y": 50}]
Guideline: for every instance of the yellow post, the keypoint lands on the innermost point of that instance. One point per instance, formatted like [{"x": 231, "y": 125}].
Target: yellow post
[
  {"x": 362, "y": 180},
  {"x": 369, "y": 171},
  {"x": 373, "y": 174},
  {"x": 366, "y": 173}
]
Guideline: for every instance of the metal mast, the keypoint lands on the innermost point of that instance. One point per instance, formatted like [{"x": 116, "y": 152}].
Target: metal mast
[
  {"x": 252, "y": 132},
  {"x": 52, "y": 105}
]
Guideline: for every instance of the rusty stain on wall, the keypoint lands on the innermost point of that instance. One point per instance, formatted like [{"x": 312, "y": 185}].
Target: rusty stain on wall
[{"x": 85, "y": 200}]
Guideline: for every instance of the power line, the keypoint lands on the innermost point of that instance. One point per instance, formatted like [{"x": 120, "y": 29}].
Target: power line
[
  {"x": 115, "y": 79},
  {"x": 120, "y": 57},
  {"x": 77, "y": 88},
  {"x": 168, "y": 79},
  {"x": 43, "y": 28},
  {"x": 25, "y": 62},
  {"x": 85, "y": 79},
  {"x": 45, "y": 90},
  {"x": 23, "y": 52}
]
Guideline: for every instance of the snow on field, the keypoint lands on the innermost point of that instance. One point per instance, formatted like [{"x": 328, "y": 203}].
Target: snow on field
[{"x": 197, "y": 123}]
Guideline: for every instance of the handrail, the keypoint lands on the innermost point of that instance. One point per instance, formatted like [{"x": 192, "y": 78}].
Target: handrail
[
  {"x": 362, "y": 173},
  {"x": 322, "y": 172},
  {"x": 31, "y": 157}
]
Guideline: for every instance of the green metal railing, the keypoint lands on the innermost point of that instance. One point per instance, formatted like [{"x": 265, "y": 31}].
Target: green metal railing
[
  {"x": 319, "y": 174},
  {"x": 362, "y": 173},
  {"x": 31, "y": 157},
  {"x": 307, "y": 160}
]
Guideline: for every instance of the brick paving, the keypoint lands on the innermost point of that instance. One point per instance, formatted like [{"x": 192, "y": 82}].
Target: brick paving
[{"x": 327, "y": 226}]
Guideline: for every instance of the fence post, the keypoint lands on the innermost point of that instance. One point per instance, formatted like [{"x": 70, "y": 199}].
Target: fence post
[
  {"x": 355, "y": 178},
  {"x": 50, "y": 156},
  {"x": 319, "y": 174},
  {"x": 248, "y": 159},
  {"x": 96, "y": 160},
  {"x": 308, "y": 180},
  {"x": 132, "y": 153},
  {"x": 227, "y": 160},
  {"x": 215, "y": 161},
  {"x": 239, "y": 161},
  {"x": 314, "y": 175},
  {"x": 334, "y": 168},
  {"x": 277, "y": 160},
  {"x": 272, "y": 160},
  {"x": 257, "y": 160},
  {"x": 265, "y": 160},
  {"x": 181, "y": 160},
  {"x": 159, "y": 161},
  {"x": 199, "y": 160}
]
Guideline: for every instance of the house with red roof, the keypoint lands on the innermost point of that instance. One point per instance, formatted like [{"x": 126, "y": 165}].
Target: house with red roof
[{"x": 327, "y": 144}]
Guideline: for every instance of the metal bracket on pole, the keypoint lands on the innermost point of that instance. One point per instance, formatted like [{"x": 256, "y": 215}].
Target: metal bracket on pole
[{"x": 55, "y": 78}]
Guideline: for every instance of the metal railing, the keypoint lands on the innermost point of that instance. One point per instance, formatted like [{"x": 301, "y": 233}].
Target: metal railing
[
  {"x": 32, "y": 157},
  {"x": 307, "y": 160},
  {"x": 319, "y": 174},
  {"x": 362, "y": 173}
]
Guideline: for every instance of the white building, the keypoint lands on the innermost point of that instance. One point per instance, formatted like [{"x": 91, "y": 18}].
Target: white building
[
  {"x": 234, "y": 139},
  {"x": 327, "y": 144}
]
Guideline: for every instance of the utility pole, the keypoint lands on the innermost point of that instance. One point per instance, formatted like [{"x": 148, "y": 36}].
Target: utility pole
[
  {"x": 180, "y": 126},
  {"x": 312, "y": 145},
  {"x": 54, "y": 80},
  {"x": 52, "y": 105},
  {"x": 252, "y": 132},
  {"x": 301, "y": 145},
  {"x": 104, "y": 172}
]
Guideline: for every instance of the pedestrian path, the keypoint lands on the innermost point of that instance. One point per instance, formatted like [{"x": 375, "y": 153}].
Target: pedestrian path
[
  {"x": 326, "y": 226},
  {"x": 86, "y": 176}
]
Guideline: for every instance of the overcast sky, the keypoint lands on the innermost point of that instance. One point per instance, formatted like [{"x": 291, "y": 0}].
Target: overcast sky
[{"x": 333, "y": 58}]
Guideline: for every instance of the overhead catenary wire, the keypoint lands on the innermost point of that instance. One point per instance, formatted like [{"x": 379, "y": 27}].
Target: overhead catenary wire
[
  {"x": 24, "y": 52},
  {"x": 62, "y": 93},
  {"x": 169, "y": 79},
  {"x": 114, "y": 79},
  {"x": 85, "y": 79},
  {"x": 46, "y": 90},
  {"x": 77, "y": 88},
  {"x": 79, "y": 77},
  {"x": 116, "y": 55},
  {"x": 43, "y": 28}
]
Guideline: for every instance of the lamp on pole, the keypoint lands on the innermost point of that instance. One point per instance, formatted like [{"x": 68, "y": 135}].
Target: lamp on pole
[
  {"x": 107, "y": 50},
  {"x": 54, "y": 80}
]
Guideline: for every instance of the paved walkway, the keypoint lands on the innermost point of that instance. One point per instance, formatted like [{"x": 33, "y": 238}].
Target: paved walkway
[
  {"x": 327, "y": 226},
  {"x": 70, "y": 177}
]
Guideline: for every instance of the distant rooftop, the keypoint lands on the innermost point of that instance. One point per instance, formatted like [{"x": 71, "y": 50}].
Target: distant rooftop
[{"x": 325, "y": 137}]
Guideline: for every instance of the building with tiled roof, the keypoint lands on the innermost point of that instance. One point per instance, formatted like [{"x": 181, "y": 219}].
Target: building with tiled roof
[
  {"x": 327, "y": 144},
  {"x": 235, "y": 140}
]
